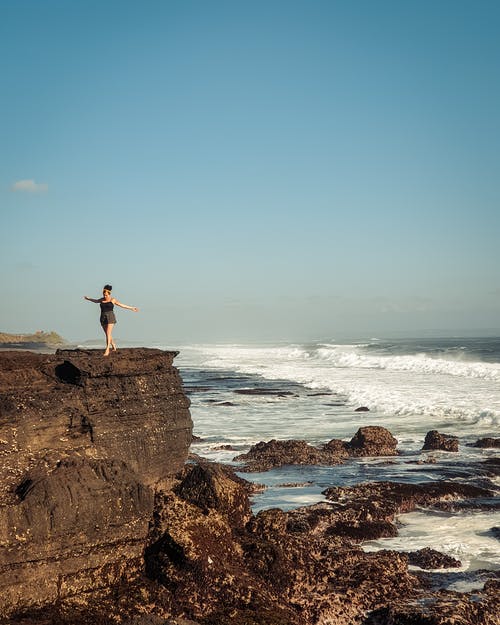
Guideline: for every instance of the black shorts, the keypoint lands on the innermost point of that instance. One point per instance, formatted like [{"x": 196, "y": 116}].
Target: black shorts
[{"x": 107, "y": 318}]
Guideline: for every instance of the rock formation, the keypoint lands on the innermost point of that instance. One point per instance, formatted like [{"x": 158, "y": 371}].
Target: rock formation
[
  {"x": 83, "y": 442},
  {"x": 436, "y": 440},
  {"x": 484, "y": 443},
  {"x": 101, "y": 520},
  {"x": 368, "y": 441}
]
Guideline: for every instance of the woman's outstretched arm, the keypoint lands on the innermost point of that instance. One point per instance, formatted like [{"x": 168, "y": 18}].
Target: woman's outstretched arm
[
  {"x": 117, "y": 303},
  {"x": 90, "y": 299}
]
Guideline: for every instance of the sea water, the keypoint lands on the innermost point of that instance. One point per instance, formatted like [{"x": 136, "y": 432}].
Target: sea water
[{"x": 242, "y": 394}]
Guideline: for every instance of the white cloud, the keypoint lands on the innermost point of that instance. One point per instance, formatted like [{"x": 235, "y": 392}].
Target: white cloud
[{"x": 30, "y": 186}]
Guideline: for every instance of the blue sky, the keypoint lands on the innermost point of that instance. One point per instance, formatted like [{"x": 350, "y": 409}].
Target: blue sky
[{"x": 250, "y": 170}]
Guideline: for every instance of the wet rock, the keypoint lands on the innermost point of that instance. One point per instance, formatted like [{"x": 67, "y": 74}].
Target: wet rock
[
  {"x": 484, "y": 443},
  {"x": 384, "y": 500},
  {"x": 362, "y": 409},
  {"x": 431, "y": 559},
  {"x": 264, "y": 391},
  {"x": 372, "y": 440},
  {"x": 295, "y": 485},
  {"x": 443, "y": 608},
  {"x": 368, "y": 441},
  {"x": 443, "y": 442},
  {"x": 223, "y": 448},
  {"x": 264, "y": 456}
]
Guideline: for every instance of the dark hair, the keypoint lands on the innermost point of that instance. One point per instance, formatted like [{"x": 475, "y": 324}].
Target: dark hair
[{"x": 107, "y": 287}]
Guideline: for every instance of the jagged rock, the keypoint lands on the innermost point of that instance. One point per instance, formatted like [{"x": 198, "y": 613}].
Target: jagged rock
[
  {"x": 431, "y": 559},
  {"x": 443, "y": 442},
  {"x": 383, "y": 500},
  {"x": 83, "y": 440},
  {"x": 265, "y": 571},
  {"x": 215, "y": 487},
  {"x": 444, "y": 608},
  {"x": 368, "y": 441},
  {"x": 92, "y": 532},
  {"x": 264, "y": 456},
  {"x": 372, "y": 440},
  {"x": 486, "y": 442}
]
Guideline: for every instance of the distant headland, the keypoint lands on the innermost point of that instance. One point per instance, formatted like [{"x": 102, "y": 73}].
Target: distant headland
[{"x": 39, "y": 340}]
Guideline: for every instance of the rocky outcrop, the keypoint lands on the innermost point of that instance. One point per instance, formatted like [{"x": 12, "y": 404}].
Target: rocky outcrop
[
  {"x": 431, "y": 559},
  {"x": 368, "y": 441},
  {"x": 372, "y": 440},
  {"x": 101, "y": 520},
  {"x": 484, "y": 443},
  {"x": 436, "y": 440},
  {"x": 84, "y": 441},
  {"x": 208, "y": 559}
]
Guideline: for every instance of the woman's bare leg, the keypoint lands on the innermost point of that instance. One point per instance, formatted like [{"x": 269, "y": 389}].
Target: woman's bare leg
[{"x": 109, "y": 337}]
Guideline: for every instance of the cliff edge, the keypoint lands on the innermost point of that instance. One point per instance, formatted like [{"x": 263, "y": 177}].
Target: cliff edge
[{"x": 84, "y": 443}]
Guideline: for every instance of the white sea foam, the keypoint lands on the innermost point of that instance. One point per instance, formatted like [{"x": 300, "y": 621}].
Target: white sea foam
[
  {"x": 440, "y": 388},
  {"x": 464, "y": 536}
]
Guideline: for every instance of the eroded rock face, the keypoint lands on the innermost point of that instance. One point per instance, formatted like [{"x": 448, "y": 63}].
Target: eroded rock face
[
  {"x": 210, "y": 560},
  {"x": 84, "y": 440},
  {"x": 436, "y": 440}
]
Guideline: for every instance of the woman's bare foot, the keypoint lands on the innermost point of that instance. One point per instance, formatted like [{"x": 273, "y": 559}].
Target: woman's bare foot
[
  {"x": 113, "y": 345},
  {"x": 106, "y": 353}
]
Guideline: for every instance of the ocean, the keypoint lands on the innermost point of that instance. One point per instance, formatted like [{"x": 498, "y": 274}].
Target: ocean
[{"x": 243, "y": 394}]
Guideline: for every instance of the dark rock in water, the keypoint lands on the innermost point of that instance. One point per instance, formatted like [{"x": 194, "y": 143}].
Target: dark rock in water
[
  {"x": 226, "y": 403},
  {"x": 431, "y": 559},
  {"x": 372, "y": 440},
  {"x": 362, "y": 409},
  {"x": 443, "y": 442},
  {"x": 486, "y": 442},
  {"x": 264, "y": 391},
  {"x": 383, "y": 500},
  {"x": 368, "y": 441},
  {"x": 264, "y": 456},
  {"x": 223, "y": 448},
  {"x": 442, "y": 608}
]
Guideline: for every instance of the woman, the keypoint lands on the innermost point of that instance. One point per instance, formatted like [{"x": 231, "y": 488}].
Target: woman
[{"x": 108, "y": 318}]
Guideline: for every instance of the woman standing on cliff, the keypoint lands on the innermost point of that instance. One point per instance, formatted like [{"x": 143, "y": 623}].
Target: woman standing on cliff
[{"x": 108, "y": 319}]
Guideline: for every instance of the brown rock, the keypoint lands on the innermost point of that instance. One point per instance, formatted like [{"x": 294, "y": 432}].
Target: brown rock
[
  {"x": 431, "y": 559},
  {"x": 213, "y": 486},
  {"x": 372, "y": 440},
  {"x": 83, "y": 439},
  {"x": 264, "y": 456},
  {"x": 487, "y": 442},
  {"x": 435, "y": 440}
]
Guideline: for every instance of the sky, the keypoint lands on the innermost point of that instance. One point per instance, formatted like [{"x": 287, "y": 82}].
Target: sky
[{"x": 250, "y": 171}]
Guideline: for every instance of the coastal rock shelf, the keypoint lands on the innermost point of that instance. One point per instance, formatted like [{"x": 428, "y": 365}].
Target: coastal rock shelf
[
  {"x": 84, "y": 441},
  {"x": 104, "y": 520}
]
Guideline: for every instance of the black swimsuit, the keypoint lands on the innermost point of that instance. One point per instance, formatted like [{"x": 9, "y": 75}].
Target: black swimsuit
[{"x": 107, "y": 314}]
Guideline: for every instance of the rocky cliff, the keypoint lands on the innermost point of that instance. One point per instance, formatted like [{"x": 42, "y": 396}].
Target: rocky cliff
[
  {"x": 84, "y": 443},
  {"x": 102, "y": 521}
]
